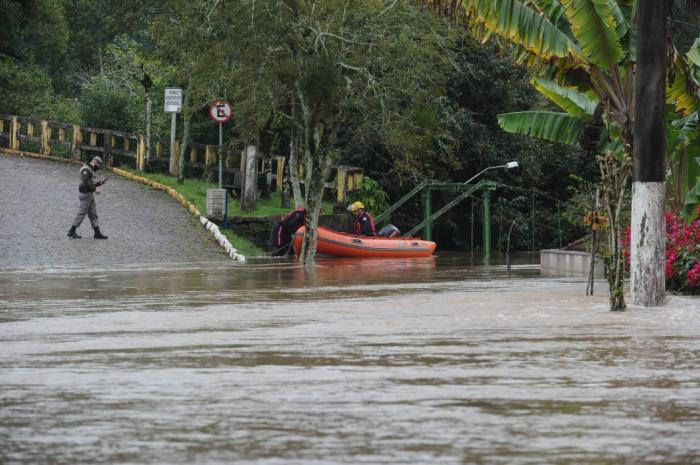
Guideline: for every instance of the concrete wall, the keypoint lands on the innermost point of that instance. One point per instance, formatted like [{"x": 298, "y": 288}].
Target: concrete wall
[{"x": 554, "y": 262}]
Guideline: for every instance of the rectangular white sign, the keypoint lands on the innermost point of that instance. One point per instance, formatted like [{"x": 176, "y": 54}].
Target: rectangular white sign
[{"x": 173, "y": 99}]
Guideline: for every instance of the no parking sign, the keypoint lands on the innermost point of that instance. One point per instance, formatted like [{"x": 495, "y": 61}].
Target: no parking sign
[{"x": 220, "y": 111}]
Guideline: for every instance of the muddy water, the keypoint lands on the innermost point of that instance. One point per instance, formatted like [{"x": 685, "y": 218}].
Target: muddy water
[{"x": 420, "y": 362}]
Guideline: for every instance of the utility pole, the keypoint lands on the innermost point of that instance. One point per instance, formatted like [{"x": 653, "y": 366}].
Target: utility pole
[{"x": 648, "y": 245}]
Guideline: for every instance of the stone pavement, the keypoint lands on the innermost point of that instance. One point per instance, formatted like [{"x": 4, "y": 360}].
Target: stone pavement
[{"x": 39, "y": 199}]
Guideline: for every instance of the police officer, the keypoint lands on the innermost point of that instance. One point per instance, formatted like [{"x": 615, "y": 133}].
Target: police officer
[
  {"x": 88, "y": 187},
  {"x": 363, "y": 223}
]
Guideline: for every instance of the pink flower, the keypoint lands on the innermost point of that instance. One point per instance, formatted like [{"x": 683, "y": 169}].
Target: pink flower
[
  {"x": 670, "y": 261},
  {"x": 693, "y": 278}
]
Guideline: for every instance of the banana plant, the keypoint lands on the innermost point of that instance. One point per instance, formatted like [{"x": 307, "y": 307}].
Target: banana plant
[{"x": 582, "y": 56}]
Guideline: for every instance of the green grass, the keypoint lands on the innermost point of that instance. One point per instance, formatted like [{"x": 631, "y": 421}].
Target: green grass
[{"x": 195, "y": 191}]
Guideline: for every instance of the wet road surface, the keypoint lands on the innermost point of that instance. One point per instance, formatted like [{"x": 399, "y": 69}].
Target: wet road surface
[
  {"x": 394, "y": 362},
  {"x": 40, "y": 200}
]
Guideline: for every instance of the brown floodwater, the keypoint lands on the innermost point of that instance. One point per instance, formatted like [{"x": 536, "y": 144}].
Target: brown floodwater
[{"x": 423, "y": 361}]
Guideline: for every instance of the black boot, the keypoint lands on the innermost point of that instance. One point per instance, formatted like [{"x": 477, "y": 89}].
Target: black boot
[
  {"x": 72, "y": 234},
  {"x": 98, "y": 234}
]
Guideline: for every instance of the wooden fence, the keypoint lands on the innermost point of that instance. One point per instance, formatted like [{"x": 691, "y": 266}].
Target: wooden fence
[{"x": 21, "y": 133}]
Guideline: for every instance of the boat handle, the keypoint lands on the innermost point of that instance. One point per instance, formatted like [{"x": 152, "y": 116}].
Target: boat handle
[
  {"x": 414, "y": 244},
  {"x": 357, "y": 241}
]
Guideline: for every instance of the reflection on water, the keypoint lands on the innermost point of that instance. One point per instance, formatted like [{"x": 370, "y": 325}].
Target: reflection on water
[{"x": 437, "y": 360}]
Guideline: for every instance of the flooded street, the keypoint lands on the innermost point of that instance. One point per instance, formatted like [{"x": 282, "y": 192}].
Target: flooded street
[{"x": 413, "y": 362}]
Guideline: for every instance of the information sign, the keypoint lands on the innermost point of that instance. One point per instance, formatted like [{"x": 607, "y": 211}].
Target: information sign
[{"x": 173, "y": 99}]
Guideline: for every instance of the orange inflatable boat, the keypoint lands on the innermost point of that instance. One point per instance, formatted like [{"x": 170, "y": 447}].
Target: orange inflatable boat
[{"x": 340, "y": 244}]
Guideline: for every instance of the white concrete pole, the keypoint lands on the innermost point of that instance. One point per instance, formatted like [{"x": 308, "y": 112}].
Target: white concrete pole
[{"x": 173, "y": 155}]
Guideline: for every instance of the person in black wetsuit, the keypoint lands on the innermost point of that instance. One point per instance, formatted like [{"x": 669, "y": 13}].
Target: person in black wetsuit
[{"x": 284, "y": 229}]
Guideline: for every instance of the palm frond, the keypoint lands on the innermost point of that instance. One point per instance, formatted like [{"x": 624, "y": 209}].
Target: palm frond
[
  {"x": 525, "y": 27},
  {"x": 570, "y": 100},
  {"x": 681, "y": 92},
  {"x": 515, "y": 21},
  {"x": 552, "y": 126},
  {"x": 594, "y": 24}
]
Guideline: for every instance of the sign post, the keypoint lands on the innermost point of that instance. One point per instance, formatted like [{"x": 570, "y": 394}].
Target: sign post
[
  {"x": 173, "y": 104},
  {"x": 220, "y": 111}
]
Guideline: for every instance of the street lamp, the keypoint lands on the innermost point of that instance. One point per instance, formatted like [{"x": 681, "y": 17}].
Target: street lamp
[
  {"x": 459, "y": 198},
  {"x": 509, "y": 165}
]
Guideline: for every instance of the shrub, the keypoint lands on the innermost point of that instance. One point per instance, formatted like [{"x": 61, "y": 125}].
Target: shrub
[
  {"x": 105, "y": 104},
  {"x": 368, "y": 192},
  {"x": 682, "y": 253}
]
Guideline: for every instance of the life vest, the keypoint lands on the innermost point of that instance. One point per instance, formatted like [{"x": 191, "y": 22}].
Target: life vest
[{"x": 364, "y": 225}]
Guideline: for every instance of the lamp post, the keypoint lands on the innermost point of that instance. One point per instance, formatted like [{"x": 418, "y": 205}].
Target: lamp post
[
  {"x": 428, "y": 221},
  {"x": 508, "y": 166}
]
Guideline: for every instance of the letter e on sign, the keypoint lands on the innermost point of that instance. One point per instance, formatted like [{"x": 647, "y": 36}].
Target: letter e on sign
[{"x": 220, "y": 111}]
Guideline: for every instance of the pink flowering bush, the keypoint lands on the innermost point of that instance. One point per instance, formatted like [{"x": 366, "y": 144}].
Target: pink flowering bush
[{"x": 682, "y": 253}]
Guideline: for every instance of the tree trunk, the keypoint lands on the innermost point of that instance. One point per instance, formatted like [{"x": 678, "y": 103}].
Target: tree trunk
[
  {"x": 293, "y": 162},
  {"x": 185, "y": 134},
  {"x": 318, "y": 170},
  {"x": 183, "y": 148},
  {"x": 615, "y": 174},
  {"x": 648, "y": 284},
  {"x": 149, "y": 130}
]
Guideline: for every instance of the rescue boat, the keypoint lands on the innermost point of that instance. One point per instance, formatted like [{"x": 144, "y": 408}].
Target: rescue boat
[{"x": 338, "y": 244}]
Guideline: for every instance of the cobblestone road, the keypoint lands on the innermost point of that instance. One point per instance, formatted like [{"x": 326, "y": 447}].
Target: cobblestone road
[{"x": 39, "y": 200}]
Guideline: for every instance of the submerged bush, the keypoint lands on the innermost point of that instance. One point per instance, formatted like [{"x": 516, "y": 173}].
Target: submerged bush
[{"x": 682, "y": 253}]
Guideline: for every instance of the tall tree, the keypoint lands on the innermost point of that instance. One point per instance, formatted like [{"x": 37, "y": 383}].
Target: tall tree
[
  {"x": 648, "y": 245},
  {"x": 321, "y": 64}
]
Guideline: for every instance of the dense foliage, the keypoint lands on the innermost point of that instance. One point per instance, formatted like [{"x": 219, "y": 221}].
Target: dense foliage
[{"x": 413, "y": 97}]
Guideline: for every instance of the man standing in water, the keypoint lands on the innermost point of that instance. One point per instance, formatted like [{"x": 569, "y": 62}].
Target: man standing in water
[
  {"x": 283, "y": 230},
  {"x": 88, "y": 188}
]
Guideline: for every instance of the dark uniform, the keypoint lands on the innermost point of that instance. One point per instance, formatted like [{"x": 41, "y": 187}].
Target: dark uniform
[
  {"x": 283, "y": 230},
  {"x": 364, "y": 225},
  {"x": 88, "y": 186}
]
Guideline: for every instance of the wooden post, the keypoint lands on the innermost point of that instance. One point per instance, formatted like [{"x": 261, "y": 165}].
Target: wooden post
[
  {"x": 141, "y": 153},
  {"x": 93, "y": 139},
  {"x": 76, "y": 142},
  {"x": 61, "y": 134},
  {"x": 2, "y": 125},
  {"x": 14, "y": 131},
  {"x": 193, "y": 154},
  {"x": 280, "y": 173},
  {"x": 30, "y": 129},
  {"x": 357, "y": 178},
  {"x": 44, "y": 139},
  {"x": 250, "y": 179},
  {"x": 107, "y": 149},
  {"x": 175, "y": 149},
  {"x": 126, "y": 143},
  {"x": 159, "y": 149},
  {"x": 209, "y": 160},
  {"x": 342, "y": 180}
]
